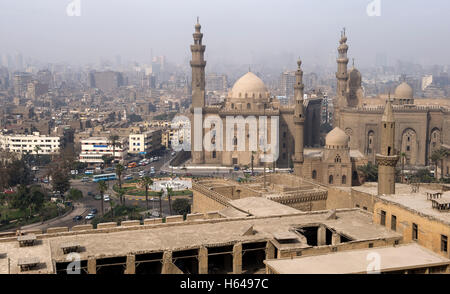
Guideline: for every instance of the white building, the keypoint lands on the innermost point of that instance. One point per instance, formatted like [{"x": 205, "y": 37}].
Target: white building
[
  {"x": 144, "y": 143},
  {"x": 30, "y": 144},
  {"x": 92, "y": 150}
]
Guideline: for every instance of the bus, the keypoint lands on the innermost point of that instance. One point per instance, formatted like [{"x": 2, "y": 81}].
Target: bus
[{"x": 104, "y": 177}]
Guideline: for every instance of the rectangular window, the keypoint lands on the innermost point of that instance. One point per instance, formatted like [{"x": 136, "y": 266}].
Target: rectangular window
[
  {"x": 415, "y": 231},
  {"x": 393, "y": 223},
  {"x": 444, "y": 243},
  {"x": 383, "y": 218}
]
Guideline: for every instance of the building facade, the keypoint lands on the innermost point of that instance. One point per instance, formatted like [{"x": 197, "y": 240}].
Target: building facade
[
  {"x": 30, "y": 144},
  {"x": 145, "y": 142},
  {"x": 95, "y": 148}
]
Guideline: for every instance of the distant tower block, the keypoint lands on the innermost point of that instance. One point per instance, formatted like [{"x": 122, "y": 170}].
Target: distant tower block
[
  {"x": 299, "y": 120},
  {"x": 198, "y": 64},
  {"x": 388, "y": 158}
]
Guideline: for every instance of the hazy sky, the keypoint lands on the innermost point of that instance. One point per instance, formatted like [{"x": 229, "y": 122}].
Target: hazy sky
[{"x": 235, "y": 31}]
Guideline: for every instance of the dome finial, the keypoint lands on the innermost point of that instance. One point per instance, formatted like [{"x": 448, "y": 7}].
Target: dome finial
[{"x": 299, "y": 62}]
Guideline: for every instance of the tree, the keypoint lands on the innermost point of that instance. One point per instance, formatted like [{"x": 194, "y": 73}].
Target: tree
[
  {"x": 75, "y": 194},
  {"x": 181, "y": 206},
  {"x": 114, "y": 142},
  {"x": 160, "y": 194},
  {"x": 121, "y": 193},
  {"x": 102, "y": 187},
  {"x": 169, "y": 194},
  {"x": 60, "y": 180},
  {"x": 146, "y": 182},
  {"x": 106, "y": 159},
  {"x": 436, "y": 158},
  {"x": 403, "y": 159},
  {"x": 369, "y": 171},
  {"x": 19, "y": 173},
  {"x": 28, "y": 200},
  {"x": 119, "y": 170}
]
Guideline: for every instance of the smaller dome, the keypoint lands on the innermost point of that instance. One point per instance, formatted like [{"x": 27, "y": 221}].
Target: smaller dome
[
  {"x": 404, "y": 91},
  {"x": 337, "y": 138}
]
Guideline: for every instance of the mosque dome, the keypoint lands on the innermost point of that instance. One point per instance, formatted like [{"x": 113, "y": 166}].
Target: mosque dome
[
  {"x": 336, "y": 139},
  {"x": 404, "y": 91},
  {"x": 249, "y": 86}
]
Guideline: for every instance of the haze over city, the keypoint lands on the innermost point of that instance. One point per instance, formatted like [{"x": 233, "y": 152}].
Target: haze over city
[{"x": 236, "y": 32}]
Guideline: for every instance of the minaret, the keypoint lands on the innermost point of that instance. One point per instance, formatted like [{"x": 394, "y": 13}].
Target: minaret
[
  {"x": 342, "y": 78},
  {"x": 198, "y": 64},
  {"x": 388, "y": 158},
  {"x": 299, "y": 120}
]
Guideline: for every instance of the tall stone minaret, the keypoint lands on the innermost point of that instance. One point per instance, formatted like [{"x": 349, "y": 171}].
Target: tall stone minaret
[
  {"x": 342, "y": 78},
  {"x": 299, "y": 120},
  {"x": 198, "y": 64},
  {"x": 388, "y": 158}
]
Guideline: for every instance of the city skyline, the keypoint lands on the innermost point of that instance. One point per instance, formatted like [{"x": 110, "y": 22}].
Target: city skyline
[{"x": 274, "y": 36}]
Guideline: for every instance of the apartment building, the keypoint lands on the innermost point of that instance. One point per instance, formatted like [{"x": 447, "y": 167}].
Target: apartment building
[
  {"x": 94, "y": 148},
  {"x": 145, "y": 142},
  {"x": 29, "y": 144}
]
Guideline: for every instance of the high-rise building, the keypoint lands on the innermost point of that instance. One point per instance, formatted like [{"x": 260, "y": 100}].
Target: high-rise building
[
  {"x": 216, "y": 82},
  {"x": 106, "y": 81},
  {"x": 287, "y": 83},
  {"x": 21, "y": 80}
]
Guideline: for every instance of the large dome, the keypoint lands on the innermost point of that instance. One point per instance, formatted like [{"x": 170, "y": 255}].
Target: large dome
[
  {"x": 249, "y": 86},
  {"x": 337, "y": 138},
  {"x": 404, "y": 91}
]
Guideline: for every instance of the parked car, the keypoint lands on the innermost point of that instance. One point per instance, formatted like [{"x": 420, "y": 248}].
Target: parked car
[
  {"x": 98, "y": 197},
  {"x": 106, "y": 198},
  {"x": 93, "y": 211},
  {"x": 89, "y": 216},
  {"x": 236, "y": 168},
  {"x": 90, "y": 193},
  {"x": 77, "y": 218}
]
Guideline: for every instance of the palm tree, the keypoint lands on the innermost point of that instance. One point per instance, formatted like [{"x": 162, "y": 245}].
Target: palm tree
[
  {"x": 121, "y": 193},
  {"x": 114, "y": 142},
  {"x": 169, "y": 193},
  {"x": 146, "y": 182},
  {"x": 160, "y": 202},
  {"x": 436, "y": 157},
  {"x": 253, "y": 158},
  {"x": 119, "y": 170},
  {"x": 403, "y": 156},
  {"x": 102, "y": 187}
]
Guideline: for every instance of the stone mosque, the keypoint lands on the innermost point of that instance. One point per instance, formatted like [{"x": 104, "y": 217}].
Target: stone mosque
[{"x": 355, "y": 140}]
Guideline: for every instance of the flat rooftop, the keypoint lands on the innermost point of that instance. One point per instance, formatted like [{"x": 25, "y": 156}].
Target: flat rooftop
[
  {"x": 396, "y": 258},
  {"x": 259, "y": 206},
  {"x": 122, "y": 241},
  {"x": 416, "y": 202}
]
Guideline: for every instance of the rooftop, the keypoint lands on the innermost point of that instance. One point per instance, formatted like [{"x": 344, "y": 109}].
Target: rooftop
[
  {"x": 357, "y": 261},
  {"x": 414, "y": 201},
  {"x": 120, "y": 241}
]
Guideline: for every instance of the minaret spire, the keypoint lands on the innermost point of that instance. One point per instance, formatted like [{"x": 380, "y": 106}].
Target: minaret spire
[
  {"x": 342, "y": 78},
  {"x": 299, "y": 120},
  {"x": 198, "y": 64}
]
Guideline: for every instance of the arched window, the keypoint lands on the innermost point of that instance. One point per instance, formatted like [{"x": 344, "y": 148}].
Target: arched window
[
  {"x": 214, "y": 154},
  {"x": 232, "y": 104},
  {"x": 337, "y": 159},
  {"x": 235, "y": 141},
  {"x": 248, "y": 106},
  {"x": 330, "y": 179},
  {"x": 344, "y": 179},
  {"x": 314, "y": 174}
]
